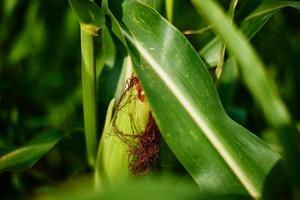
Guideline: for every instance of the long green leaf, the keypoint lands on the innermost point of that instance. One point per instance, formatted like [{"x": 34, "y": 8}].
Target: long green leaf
[
  {"x": 269, "y": 6},
  {"x": 26, "y": 156},
  {"x": 219, "y": 154},
  {"x": 250, "y": 26},
  {"x": 259, "y": 84},
  {"x": 255, "y": 21}
]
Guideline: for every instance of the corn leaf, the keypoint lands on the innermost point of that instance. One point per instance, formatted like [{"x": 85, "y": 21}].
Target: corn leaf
[
  {"x": 26, "y": 156},
  {"x": 218, "y": 153},
  {"x": 260, "y": 85},
  {"x": 249, "y": 26}
]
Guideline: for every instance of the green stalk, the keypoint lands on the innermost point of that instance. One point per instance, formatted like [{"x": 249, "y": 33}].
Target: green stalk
[
  {"x": 89, "y": 94},
  {"x": 169, "y": 10}
]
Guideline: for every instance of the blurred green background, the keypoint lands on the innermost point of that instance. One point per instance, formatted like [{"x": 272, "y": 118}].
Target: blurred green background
[{"x": 40, "y": 81}]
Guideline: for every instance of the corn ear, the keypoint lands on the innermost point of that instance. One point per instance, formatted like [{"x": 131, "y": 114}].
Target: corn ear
[{"x": 130, "y": 118}]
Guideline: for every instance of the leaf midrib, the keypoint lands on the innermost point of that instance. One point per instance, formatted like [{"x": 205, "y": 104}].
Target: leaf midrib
[{"x": 198, "y": 118}]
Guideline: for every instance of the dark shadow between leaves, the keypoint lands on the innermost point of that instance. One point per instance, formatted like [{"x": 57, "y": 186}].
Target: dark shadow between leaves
[
  {"x": 276, "y": 185},
  {"x": 116, "y": 8}
]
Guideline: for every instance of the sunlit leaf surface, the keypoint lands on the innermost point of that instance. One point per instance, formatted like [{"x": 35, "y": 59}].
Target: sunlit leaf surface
[{"x": 218, "y": 153}]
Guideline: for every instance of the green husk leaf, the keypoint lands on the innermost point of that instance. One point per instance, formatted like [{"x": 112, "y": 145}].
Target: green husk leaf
[{"x": 130, "y": 117}]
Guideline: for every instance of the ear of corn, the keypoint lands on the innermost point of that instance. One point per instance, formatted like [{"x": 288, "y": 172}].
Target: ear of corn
[{"x": 130, "y": 119}]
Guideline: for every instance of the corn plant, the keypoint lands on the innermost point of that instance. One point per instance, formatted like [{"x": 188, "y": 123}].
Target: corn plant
[{"x": 172, "y": 105}]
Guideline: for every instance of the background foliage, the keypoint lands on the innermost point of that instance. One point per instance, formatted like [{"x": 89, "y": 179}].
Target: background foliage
[{"x": 40, "y": 84}]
